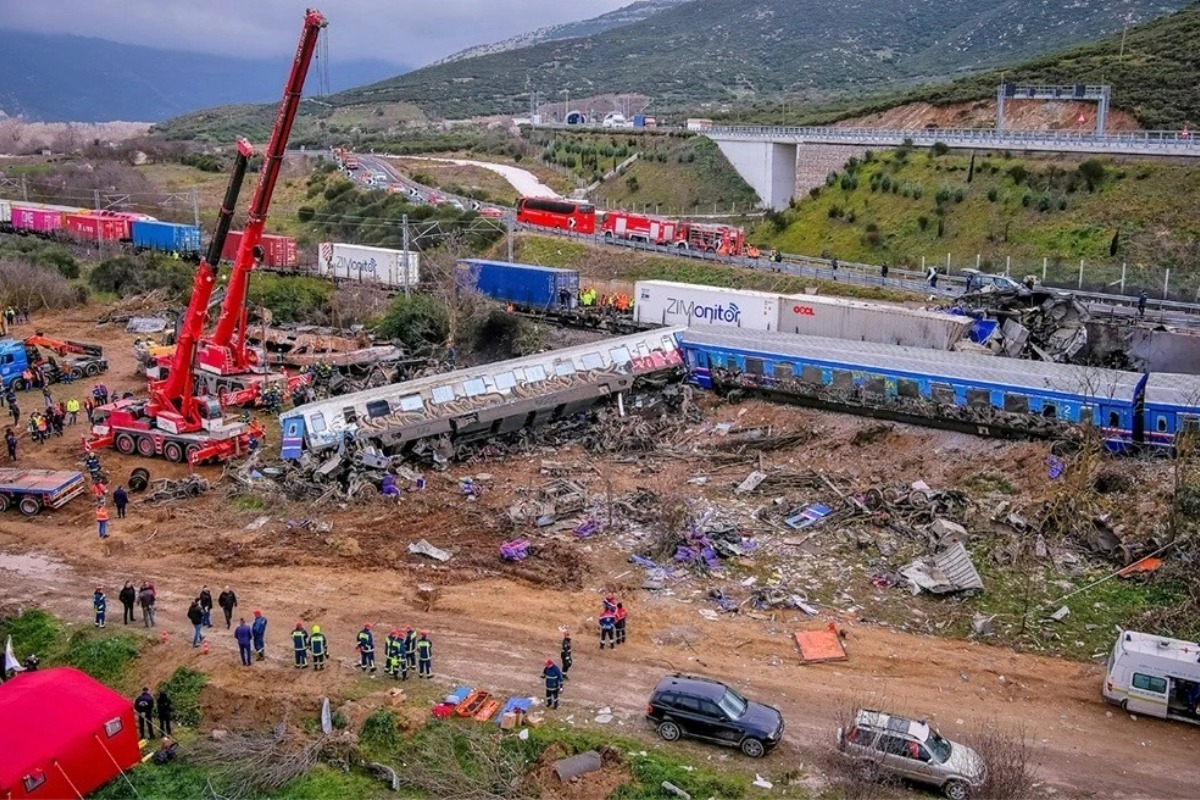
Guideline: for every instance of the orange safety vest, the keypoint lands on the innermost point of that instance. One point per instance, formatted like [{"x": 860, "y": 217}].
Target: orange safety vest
[{"x": 101, "y": 514}]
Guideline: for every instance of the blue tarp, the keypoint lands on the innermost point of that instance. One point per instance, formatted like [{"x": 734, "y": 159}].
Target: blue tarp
[
  {"x": 982, "y": 330},
  {"x": 514, "y": 704}
]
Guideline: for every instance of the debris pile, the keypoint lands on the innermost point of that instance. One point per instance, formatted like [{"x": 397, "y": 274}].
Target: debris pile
[{"x": 1042, "y": 325}]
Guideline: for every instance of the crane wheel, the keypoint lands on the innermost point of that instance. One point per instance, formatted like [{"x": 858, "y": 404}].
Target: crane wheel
[{"x": 125, "y": 444}]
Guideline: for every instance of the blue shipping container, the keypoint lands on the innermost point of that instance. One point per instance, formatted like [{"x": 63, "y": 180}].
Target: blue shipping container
[
  {"x": 639, "y": 122},
  {"x": 522, "y": 284},
  {"x": 165, "y": 236}
]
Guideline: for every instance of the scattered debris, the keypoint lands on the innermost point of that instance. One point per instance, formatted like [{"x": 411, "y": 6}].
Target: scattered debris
[
  {"x": 949, "y": 571},
  {"x": 165, "y": 489},
  {"x": 516, "y": 550},
  {"x": 671, "y": 788},
  {"x": 258, "y": 522},
  {"x": 818, "y": 646},
  {"x": 424, "y": 548},
  {"x": 144, "y": 325},
  {"x": 1061, "y": 614},
  {"x": 573, "y": 767},
  {"x": 982, "y": 625},
  {"x": 751, "y": 482}
]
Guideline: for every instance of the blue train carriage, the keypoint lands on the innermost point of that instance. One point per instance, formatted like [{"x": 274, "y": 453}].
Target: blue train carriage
[
  {"x": 987, "y": 395},
  {"x": 482, "y": 401},
  {"x": 1172, "y": 407}
]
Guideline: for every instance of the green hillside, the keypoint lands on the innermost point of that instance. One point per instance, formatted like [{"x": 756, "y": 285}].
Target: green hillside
[{"x": 900, "y": 206}]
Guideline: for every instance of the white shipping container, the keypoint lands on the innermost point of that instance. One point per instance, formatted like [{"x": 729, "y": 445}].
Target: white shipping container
[
  {"x": 380, "y": 265},
  {"x": 838, "y": 318},
  {"x": 5, "y": 212},
  {"x": 669, "y": 303}
]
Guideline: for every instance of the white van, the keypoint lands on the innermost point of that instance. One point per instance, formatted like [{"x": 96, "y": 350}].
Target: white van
[{"x": 1154, "y": 675}]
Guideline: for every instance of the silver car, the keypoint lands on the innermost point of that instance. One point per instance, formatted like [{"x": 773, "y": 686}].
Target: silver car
[{"x": 912, "y": 750}]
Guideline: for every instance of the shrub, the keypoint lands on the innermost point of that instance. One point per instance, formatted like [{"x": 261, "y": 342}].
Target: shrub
[
  {"x": 380, "y": 734},
  {"x": 944, "y": 193},
  {"x": 993, "y": 194},
  {"x": 814, "y": 192},
  {"x": 1027, "y": 199},
  {"x": 184, "y": 687},
  {"x": 886, "y": 183},
  {"x": 939, "y": 149},
  {"x": 849, "y": 183},
  {"x": 1093, "y": 173},
  {"x": 831, "y": 179},
  {"x": 418, "y": 321},
  {"x": 923, "y": 222},
  {"x": 632, "y": 183},
  {"x": 959, "y": 195},
  {"x": 1018, "y": 173},
  {"x": 835, "y": 212},
  {"x": 1045, "y": 202}
]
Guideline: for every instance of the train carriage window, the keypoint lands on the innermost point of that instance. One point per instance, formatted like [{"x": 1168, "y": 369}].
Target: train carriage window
[
  {"x": 620, "y": 355},
  {"x": 1016, "y": 403},
  {"x": 564, "y": 369},
  {"x": 505, "y": 381},
  {"x": 907, "y": 387},
  {"x": 1049, "y": 411},
  {"x": 412, "y": 402},
  {"x": 593, "y": 361},
  {"x": 1087, "y": 415},
  {"x": 535, "y": 374},
  {"x": 317, "y": 422},
  {"x": 474, "y": 387},
  {"x": 350, "y": 415},
  {"x": 669, "y": 343},
  {"x": 813, "y": 375},
  {"x": 943, "y": 393},
  {"x": 842, "y": 379},
  {"x": 756, "y": 366},
  {"x": 1160, "y": 424},
  {"x": 977, "y": 398},
  {"x": 1114, "y": 419},
  {"x": 784, "y": 371},
  {"x": 1189, "y": 423},
  {"x": 874, "y": 384},
  {"x": 443, "y": 394},
  {"x": 378, "y": 408}
]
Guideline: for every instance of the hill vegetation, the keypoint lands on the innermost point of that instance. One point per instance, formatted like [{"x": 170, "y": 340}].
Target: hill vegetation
[{"x": 902, "y": 206}]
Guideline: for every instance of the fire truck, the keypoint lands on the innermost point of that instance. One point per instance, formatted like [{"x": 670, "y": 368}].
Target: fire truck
[{"x": 710, "y": 238}]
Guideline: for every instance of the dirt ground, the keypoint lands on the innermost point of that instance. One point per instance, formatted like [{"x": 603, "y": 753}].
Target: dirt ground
[
  {"x": 1019, "y": 115},
  {"x": 495, "y": 622}
]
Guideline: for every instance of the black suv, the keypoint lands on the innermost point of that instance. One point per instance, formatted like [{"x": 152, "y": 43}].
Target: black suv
[{"x": 701, "y": 708}]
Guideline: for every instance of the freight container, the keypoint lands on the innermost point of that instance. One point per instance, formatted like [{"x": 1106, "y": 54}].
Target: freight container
[
  {"x": 351, "y": 262},
  {"x": 101, "y": 225},
  {"x": 522, "y": 284},
  {"x": 668, "y": 303},
  {"x": 36, "y": 219},
  {"x": 838, "y": 318},
  {"x": 639, "y": 121},
  {"x": 279, "y": 252},
  {"x": 5, "y": 215},
  {"x": 167, "y": 237}
]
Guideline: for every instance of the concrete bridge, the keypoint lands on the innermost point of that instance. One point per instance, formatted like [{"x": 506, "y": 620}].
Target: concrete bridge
[{"x": 767, "y": 157}]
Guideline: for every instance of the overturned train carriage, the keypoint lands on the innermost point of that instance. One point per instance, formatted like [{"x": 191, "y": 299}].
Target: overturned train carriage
[
  {"x": 980, "y": 394},
  {"x": 483, "y": 401}
]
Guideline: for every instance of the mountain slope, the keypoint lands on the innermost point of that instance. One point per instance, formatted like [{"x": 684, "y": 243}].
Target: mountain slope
[
  {"x": 626, "y": 15},
  {"x": 727, "y": 50},
  {"x": 76, "y": 79}
]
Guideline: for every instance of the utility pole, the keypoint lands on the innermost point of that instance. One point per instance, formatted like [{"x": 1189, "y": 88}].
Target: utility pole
[
  {"x": 24, "y": 189},
  {"x": 96, "y": 202},
  {"x": 196, "y": 206},
  {"x": 508, "y": 221},
  {"x": 407, "y": 257}
]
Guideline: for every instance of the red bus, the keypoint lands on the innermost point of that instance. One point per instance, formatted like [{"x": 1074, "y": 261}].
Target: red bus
[{"x": 567, "y": 215}]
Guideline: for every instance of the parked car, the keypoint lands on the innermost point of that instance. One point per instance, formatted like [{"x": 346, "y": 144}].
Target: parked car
[
  {"x": 911, "y": 749},
  {"x": 987, "y": 282},
  {"x": 706, "y": 709}
]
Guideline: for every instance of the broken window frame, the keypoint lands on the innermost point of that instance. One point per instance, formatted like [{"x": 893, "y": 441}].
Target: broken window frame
[
  {"x": 350, "y": 415},
  {"x": 1016, "y": 403},
  {"x": 979, "y": 398},
  {"x": 908, "y": 388},
  {"x": 316, "y": 423},
  {"x": 1114, "y": 419},
  {"x": 1160, "y": 423},
  {"x": 812, "y": 375},
  {"x": 756, "y": 366},
  {"x": 843, "y": 379},
  {"x": 378, "y": 408},
  {"x": 784, "y": 371},
  {"x": 943, "y": 393},
  {"x": 1050, "y": 410},
  {"x": 1187, "y": 423}
]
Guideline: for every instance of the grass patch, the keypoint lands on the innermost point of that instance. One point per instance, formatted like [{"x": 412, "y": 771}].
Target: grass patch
[
  {"x": 184, "y": 687},
  {"x": 989, "y": 482},
  {"x": 249, "y": 502},
  {"x": 182, "y": 781},
  {"x": 106, "y": 656}
]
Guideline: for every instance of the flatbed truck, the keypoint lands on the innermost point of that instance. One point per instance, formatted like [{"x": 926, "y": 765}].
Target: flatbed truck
[{"x": 32, "y": 490}]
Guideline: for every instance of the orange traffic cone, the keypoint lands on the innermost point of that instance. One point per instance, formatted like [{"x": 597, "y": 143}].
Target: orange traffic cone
[
  {"x": 205, "y": 649},
  {"x": 163, "y": 637}
]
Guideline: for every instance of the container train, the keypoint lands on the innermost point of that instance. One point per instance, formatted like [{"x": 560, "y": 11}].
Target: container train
[
  {"x": 139, "y": 232},
  {"x": 986, "y": 395}
]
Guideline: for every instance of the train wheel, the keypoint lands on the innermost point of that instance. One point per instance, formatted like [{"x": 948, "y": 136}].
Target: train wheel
[
  {"x": 145, "y": 446},
  {"x": 173, "y": 452},
  {"x": 30, "y": 506},
  {"x": 125, "y": 444}
]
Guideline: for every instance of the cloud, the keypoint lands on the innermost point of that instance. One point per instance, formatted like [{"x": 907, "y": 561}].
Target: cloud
[{"x": 399, "y": 31}]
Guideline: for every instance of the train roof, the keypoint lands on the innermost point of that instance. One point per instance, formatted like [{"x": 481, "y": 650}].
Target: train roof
[
  {"x": 533, "y": 267},
  {"x": 992, "y": 370},
  {"x": 706, "y": 288},
  {"x": 1173, "y": 389},
  {"x": 458, "y": 376},
  {"x": 940, "y": 316},
  {"x": 45, "y": 206}
]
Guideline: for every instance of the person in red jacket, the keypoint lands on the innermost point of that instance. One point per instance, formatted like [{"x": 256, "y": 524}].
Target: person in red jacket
[{"x": 620, "y": 615}]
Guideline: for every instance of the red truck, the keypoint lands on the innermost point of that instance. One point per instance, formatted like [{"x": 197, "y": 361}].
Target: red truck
[
  {"x": 727, "y": 240},
  {"x": 31, "y": 490}
]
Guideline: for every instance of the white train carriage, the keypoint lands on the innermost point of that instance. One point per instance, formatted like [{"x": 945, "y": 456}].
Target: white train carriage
[{"x": 483, "y": 401}]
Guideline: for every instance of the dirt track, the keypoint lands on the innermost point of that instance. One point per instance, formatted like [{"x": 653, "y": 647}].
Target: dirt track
[{"x": 493, "y": 631}]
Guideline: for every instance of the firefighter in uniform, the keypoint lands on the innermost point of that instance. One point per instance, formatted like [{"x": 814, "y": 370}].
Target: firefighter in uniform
[
  {"x": 391, "y": 654},
  {"x": 320, "y": 648},
  {"x": 366, "y": 648},
  {"x": 300, "y": 645},
  {"x": 410, "y": 646},
  {"x": 100, "y": 605},
  {"x": 424, "y": 656},
  {"x": 554, "y": 678},
  {"x": 566, "y": 652}
]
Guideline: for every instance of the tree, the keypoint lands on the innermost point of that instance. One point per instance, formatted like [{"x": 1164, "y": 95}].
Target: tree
[
  {"x": 1093, "y": 172},
  {"x": 971, "y": 169}
]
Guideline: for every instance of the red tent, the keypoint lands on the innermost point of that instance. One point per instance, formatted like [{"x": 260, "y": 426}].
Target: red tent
[{"x": 64, "y": 735}]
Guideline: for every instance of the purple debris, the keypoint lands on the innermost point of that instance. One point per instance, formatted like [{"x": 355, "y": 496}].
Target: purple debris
[
  {"x": 516, "y": 550},
  {"x": 643, "y": 562},
  {"x": 587, "y": 528}
]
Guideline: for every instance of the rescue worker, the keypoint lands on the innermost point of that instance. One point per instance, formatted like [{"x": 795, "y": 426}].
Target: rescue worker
[
  {"x": 146, "y": 598},
  {"x": 72, "y": 411},
  {"x": 259, "y": 630},
  {"x": 10, "y": 441},
  {"x": 931, "y": 275},
  {"x": 320, "y": 648},
  {"x": 366, "y": 648},
  {"x": 206, "y": 606},
  {"x": 102, "y": 520},
  {"x": 608, "y": 629},
  {"x": 620, "y": 620},
  {"x": 403, "y": 653},
  {"x": 244, "y": 635},
  {"x": 128, "y": 597},
  {"x": 424, "y": 656},
  {"x": 566, "y": 652},
  {"x": 1141, "y": 305},
  {"x": 300, "y": 645},
  {"x": 100, "y": 604},
  {"x": 610, "y": 603},
  {"x": 120, "y": 500},
  {"x": 391, "y": 654},
  {"x": 410, "y": 646},
  {"x": 164, "y": 712},
  {"x": 227, "y": 600},
  {"x": 554, "y": 678},
  {"x": 144, "y": 706}
]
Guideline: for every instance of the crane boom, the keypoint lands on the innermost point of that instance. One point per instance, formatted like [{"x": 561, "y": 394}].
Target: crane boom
[{"x": 232, "y": 318}]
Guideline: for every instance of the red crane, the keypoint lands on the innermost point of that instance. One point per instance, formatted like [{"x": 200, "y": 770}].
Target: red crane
[
  {"x": 176, "y": 422},
  {"x": 225, "y": 361}
]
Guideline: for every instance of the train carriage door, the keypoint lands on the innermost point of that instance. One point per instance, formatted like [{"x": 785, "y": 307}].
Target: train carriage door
[{"x": 293, "y": 437}]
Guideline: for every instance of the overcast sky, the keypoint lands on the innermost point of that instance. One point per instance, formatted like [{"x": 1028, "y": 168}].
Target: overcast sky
[{"x": 412, "y": 32}]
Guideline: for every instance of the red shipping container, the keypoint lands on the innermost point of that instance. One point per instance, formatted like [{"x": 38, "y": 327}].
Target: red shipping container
[
  {"x": 93, "y": 226},
  {"x": 278, "y": 251},
  {"x": 36, "y": 220},
  {"x": 230, "y": 248}
]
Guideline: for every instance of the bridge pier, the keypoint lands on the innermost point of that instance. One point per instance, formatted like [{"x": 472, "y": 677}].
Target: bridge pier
[{"x": 769, "y": 168}]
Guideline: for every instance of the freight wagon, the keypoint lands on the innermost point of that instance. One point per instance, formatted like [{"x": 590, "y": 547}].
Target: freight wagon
[
  {"x": 44, "y": 220},
  {"x": 279, "y": 252},
  {"x": 524, "y": 285},
  {"x": 837, "y": 318},
  {"x": 5, "y": 215},
  {"x": 166, "y": 237},
  {"x": 394, "y": 269},
  {"x": 669, "y": 303},
  {"x": 102, "y": 225}
]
